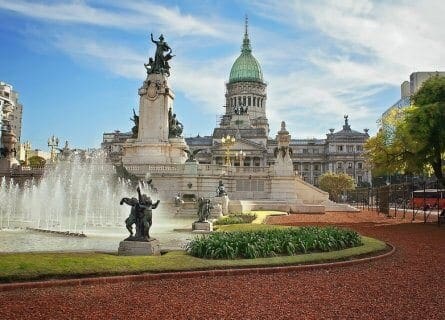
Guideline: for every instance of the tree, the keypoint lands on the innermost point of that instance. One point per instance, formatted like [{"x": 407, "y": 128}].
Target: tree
[
  {"x": 425, "y": 124},
  {"x": 36, "y": 161},
  {"x": 336, "y": 184},
  {"x": 413, "y": 140}
]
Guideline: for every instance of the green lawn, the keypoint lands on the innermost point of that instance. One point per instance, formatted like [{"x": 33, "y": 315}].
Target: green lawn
[{"x": 33, "y": 266}]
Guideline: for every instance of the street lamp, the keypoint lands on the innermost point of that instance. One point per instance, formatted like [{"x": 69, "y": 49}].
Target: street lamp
[
  {"x": 227, "y": 142},
  {"x": 53, "y": 142},
  {"x": 241, "y": 155}
]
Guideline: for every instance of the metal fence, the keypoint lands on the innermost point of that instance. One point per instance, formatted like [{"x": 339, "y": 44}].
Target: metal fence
[{"x": 397, "y": 199}]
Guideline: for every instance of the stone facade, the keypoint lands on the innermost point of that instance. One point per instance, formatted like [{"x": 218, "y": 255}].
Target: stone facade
[{"x": 8, "y": 94}]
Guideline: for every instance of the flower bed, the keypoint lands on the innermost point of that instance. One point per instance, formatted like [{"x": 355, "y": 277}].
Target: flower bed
[{"x": 273, "y": 242}]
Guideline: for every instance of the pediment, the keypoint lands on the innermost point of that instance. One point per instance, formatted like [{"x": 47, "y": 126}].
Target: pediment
[{"x": 241, "y": 144}]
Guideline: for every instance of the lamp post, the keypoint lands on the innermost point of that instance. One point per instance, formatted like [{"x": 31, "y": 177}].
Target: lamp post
[
  {"x": 227, "y": 142},
  {"x": 53, "y": 142},
  {"x": 240, "y": 155}
]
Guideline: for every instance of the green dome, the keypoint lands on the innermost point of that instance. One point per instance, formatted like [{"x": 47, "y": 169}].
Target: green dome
[{"x": 246, "y": 67}]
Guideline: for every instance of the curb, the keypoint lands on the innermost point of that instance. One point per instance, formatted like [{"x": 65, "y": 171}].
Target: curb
[{"x": 188, "y": 274}]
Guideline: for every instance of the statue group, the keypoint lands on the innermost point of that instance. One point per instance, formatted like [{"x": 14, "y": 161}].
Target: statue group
[
  {"x": 162, "y": 55},
  {"x": 175, "y": 127},
  {"x": 140, "y": 215}
]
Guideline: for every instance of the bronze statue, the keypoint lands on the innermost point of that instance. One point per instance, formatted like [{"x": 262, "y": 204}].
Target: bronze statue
[
  {"x": 175, "y": 127},
  {"x": 160, "y": 62},
  {"x": 135, "y": 129},
  {"x": 204, "y": 207},
  {"x": 140, "y": 215},
  {"x": 220, "y": 190},
  {"x": 191, "y": 155}
]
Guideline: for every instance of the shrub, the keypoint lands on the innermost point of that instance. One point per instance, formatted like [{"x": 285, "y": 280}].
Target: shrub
[
  {"x": 272, "y": 242},
  {"x": 236, "y": 218}
]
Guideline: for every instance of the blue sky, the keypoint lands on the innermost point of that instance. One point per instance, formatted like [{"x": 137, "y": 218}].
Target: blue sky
[{"x": 77, "y": 65}]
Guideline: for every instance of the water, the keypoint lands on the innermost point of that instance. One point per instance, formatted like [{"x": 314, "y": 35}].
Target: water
[{"x": 77, "y": 197}]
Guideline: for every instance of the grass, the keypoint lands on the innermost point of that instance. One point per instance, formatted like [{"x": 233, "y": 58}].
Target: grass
[
  {"x": 236, "y": 218},
  {"x": 34, "y": 266}
]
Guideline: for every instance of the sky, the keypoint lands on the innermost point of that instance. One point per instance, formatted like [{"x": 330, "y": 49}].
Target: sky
[{"x": 77, "y": 65}]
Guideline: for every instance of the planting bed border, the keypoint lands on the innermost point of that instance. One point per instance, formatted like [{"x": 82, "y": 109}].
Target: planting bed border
[{"x": 191, "y": 274}]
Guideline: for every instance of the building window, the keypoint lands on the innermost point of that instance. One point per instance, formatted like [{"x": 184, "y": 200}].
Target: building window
[
  {"x": 350, "y": 165},
  {"x": 315, "y": 151},
  {"x": 339, "y": 165},
  {"x": 316, "y": 167},
  {"x": 340, "y": 148},
  {"x": 306, "y": 167},
  {"x": 359, "y": 148},
  {"x": 359, "y": 179},
  {"x": 254, "y": 101},
  {"x": 350, "y": 148},
  {"x": 360, "y": 165},
  {"x": 305, "y": 151},
  {"x": 244, "y": 100},
  {"x": 249, "y": 101},
  {"x": 239, "y": 101}
]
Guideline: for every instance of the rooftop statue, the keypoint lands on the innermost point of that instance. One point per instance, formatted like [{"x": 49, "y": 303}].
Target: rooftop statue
[{"x": 162, "y": 55}]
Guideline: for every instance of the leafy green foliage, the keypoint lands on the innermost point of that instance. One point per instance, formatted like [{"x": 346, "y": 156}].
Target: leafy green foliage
[
  {"x": 272, "y": 242},
  {"x": 413, "y": 140},
  {"x": 336, "y": 183},
  {"x": 36, "y": 161},
  {"x": 236, "y": 219}
]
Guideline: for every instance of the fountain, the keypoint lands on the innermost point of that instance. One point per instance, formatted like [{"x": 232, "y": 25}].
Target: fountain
[{"x": 75, "y": 197}]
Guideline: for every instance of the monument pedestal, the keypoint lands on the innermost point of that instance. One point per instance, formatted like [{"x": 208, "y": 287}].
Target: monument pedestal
[
  {"x": 153, "y": 144},
  {"x": 139, "y": 248},
  {"x": 202, "y": 227}
]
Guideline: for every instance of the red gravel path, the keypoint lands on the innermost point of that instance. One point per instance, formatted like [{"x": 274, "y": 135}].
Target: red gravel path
[{"x": 407, "y": 285}]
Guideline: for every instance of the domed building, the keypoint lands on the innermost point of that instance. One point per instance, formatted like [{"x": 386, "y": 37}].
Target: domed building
[
  {"x": 242, "y": 138},
  {"x": 245, "y": 119}
]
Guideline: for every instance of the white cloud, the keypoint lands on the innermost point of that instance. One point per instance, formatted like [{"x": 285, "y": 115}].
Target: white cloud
[
  {"x": 126, "y": 15},
  {"x": 365, "y": 47}
]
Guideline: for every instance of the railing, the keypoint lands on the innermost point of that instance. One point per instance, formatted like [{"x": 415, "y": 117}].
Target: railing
[
  {"x": 203, "y": 169},
  {"x": 155, "y": 168}
]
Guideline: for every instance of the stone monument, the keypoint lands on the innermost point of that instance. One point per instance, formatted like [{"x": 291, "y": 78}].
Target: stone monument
[
  {"x": 158, "y": 133},
  {"x": 203, "y": 225},
  {"x": 140, "y": 216}
]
